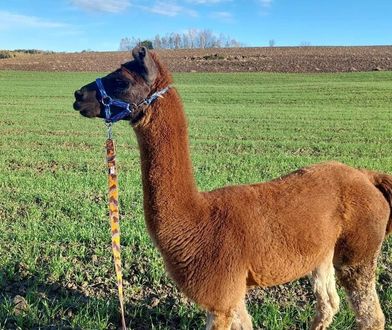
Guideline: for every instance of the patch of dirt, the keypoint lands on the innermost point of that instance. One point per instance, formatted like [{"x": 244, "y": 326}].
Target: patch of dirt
[
  {"x": 268, "y": 59},
  {"x": 20, "y": 305},
  {"x": 297, "y": 293}
]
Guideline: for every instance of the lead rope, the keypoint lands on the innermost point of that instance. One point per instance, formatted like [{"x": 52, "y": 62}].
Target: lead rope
[{"x": 114, "y": 217}]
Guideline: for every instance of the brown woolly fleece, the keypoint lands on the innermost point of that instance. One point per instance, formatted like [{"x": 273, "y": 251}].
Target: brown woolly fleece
[{"x": 319, "y": 220}]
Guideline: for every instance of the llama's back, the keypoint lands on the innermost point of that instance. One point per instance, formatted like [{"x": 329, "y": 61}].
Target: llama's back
[{"x": 287, "y": 226}]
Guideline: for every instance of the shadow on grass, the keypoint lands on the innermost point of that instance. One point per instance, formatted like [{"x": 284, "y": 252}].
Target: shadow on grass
[{"x": 33, "y": 303}]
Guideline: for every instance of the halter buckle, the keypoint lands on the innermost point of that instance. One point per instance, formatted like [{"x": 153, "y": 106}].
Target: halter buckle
[{"x": 109, "y": 129}]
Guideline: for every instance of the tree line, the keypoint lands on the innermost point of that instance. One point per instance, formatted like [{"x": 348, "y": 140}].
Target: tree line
[{"x": 190, "y": 39}]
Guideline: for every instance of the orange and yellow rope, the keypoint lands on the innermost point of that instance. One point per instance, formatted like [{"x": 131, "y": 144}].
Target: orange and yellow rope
[{"x": 115, "y": 220}]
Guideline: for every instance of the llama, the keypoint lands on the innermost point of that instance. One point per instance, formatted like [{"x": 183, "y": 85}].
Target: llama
[{"x": 322, "y": 220}]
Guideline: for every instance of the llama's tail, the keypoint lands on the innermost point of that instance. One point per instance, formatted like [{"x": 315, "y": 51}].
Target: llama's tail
[{"x": 383, "y": 182}]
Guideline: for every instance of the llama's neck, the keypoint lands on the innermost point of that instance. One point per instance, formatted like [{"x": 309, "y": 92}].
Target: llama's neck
[{"x": 169, "y": 188}]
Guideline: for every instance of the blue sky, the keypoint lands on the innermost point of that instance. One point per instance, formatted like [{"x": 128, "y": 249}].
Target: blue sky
[{"x": 75, "y": 25}]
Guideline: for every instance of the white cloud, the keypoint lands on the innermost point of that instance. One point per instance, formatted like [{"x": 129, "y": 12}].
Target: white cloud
[
  {"x": 205, "y": 2},
  {"x": 265, "y": 3},
  {"x": 111, "y": 6},
  {"x": 168, "y": 9},
  {"x": 10, "y": 20},
  {"x": 223, "y": 16}
]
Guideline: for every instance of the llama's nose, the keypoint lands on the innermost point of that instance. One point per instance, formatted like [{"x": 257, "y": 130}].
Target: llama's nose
[{"x": 79, "y": 95}]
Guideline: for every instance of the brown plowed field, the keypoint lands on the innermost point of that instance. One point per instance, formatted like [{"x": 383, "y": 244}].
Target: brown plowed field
[{"x": 271, "y": 59}]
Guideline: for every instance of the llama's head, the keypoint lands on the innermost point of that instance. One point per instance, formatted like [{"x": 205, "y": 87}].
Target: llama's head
[{"x": 132, "y": 83}]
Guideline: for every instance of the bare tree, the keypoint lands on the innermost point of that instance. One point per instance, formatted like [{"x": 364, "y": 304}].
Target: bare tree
[
  {"x": 305, "y": 44},
  {"x": 206, "y": 39},
  {"x": 202, "y": 39},
  {"x": 190, "y": 39},
  {"x": 234, "y": 43},
  {"x": 157, "y": 43},
  {"x": 185, "y": 41},
  {"x": 127, "y": 44},
  {"x": 222, "y": 40},
  {"x": 165, "y": 43},
  {"x": 177, "y": 41}
]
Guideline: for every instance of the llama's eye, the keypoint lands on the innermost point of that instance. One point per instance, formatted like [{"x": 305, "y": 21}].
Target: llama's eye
[{"x": 122, "y": 84}]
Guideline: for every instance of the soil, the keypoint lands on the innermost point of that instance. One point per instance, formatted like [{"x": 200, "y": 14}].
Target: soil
[{"x": 269, "y": 59}]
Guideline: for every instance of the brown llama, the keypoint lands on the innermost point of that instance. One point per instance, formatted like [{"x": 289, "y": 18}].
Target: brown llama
[{"x": 319, "y": 220}]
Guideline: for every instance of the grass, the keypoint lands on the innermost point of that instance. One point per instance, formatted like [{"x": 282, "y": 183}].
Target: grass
[{"x": 250, "y": 127}]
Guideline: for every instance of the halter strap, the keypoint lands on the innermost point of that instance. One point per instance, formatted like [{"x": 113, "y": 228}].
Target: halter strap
[
  {"x": 107, "y": 102},
  {"x": 128, "y": 108}
]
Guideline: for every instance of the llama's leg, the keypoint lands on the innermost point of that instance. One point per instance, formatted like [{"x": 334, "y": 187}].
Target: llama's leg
[
  {"x": 360, "y": 285},
  {"x": 242, "y": 320},
  {"x": 219, "y": 320},
  {"x": 324, "y": 287},
  {"x": 238, "y": 319}
]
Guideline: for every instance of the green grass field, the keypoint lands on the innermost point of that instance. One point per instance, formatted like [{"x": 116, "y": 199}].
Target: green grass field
[{"x": 54, "y": 232}]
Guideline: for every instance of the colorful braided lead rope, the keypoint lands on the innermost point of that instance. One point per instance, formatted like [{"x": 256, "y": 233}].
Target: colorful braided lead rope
[{"x": 115, "y": 221}]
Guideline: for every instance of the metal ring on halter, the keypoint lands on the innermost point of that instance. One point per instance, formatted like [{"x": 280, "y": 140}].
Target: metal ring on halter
[{"x": 106, "y": 100}]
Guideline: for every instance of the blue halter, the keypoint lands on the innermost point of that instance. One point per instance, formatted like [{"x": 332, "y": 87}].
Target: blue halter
[{"x": 107, "y": 102}]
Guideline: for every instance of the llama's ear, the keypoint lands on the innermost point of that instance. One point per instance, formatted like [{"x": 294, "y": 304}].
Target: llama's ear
[{"x": 146, "y": 64}]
